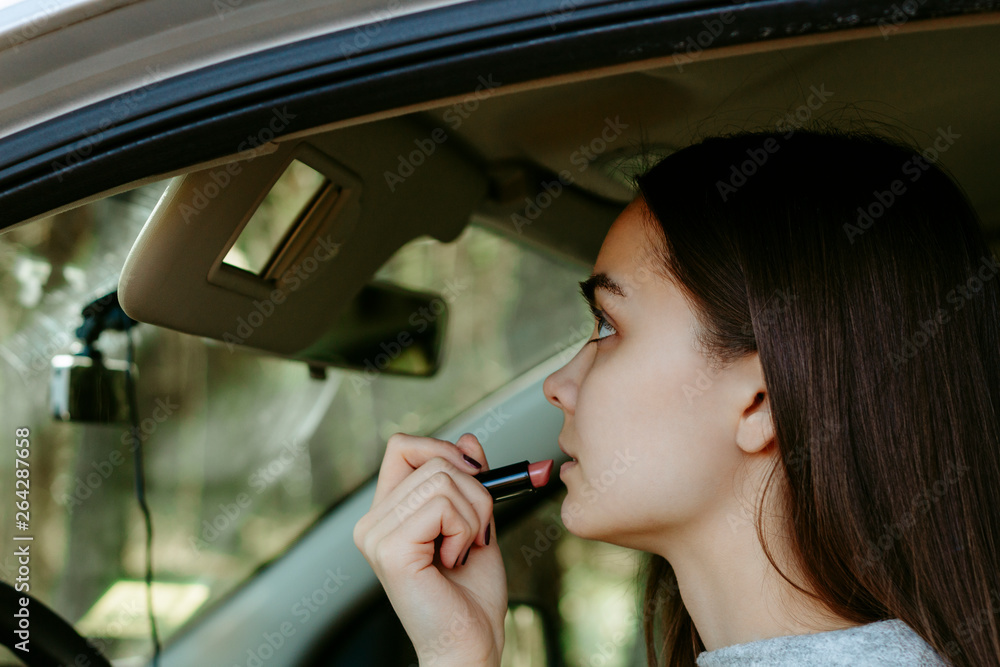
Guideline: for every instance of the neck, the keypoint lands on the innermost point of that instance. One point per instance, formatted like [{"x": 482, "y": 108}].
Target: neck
[{"x": 732, "y": 592}]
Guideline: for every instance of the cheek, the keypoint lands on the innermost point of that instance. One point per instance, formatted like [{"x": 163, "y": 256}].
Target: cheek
[
  {"x": 632, "y": 395},
  {"x": 653, "y": 449}
]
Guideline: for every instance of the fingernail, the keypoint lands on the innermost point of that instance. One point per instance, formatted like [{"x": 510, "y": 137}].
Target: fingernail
[
  {"x": 472, "y": 462},
  {"x": 466, "y": 557},
  {"x": 489, "y": 527}
]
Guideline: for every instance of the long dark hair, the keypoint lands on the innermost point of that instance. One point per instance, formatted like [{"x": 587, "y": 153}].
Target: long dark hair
[{"x": 855, "y": 266}]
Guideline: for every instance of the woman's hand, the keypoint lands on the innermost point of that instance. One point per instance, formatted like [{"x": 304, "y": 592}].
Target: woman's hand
[{"x": 429, "y": 538}]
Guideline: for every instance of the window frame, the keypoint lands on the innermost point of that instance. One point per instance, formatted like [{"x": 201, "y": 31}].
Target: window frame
[{"x": 415, "y": 59}]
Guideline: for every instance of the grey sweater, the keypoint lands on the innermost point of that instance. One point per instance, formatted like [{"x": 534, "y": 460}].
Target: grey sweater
[{"x": 889, "y": 643}]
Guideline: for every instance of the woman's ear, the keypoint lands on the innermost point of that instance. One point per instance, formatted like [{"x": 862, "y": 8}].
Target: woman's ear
[{"x": 755, "y": 430}]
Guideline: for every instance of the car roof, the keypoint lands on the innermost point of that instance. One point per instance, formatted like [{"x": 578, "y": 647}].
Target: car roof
[
  {"x": 112, "y": 57},
  {"x": 59, "y": 57}
]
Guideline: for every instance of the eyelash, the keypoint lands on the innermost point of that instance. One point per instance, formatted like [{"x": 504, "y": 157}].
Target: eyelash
[{"x": 601, "y": 320}]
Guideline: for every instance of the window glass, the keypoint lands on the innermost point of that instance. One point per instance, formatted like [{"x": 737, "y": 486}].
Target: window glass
[
  {"x": 589, "y": 593},
  {"x": 524, "y": 642},
  {"x": 242, "y": 451}
]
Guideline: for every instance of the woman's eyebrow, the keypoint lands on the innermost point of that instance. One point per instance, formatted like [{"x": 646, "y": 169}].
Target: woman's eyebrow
[{"x": 600, "y": 281}]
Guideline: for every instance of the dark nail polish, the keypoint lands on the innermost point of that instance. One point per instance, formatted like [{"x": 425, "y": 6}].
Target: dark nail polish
[
  {"x": 466, "y": 557},
  {"x": 488, "y": 528},
  {"x": 472, "y": 461}
]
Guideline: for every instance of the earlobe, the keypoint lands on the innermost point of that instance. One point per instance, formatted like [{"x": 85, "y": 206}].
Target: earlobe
[{"x": 756, "y": 430}]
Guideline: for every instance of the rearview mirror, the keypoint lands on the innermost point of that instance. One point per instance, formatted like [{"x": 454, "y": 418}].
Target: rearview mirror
[{"x": 89, "y": 389}]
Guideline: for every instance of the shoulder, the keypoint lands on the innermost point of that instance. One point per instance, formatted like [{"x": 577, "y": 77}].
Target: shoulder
[{"x": 888, "y": 643}]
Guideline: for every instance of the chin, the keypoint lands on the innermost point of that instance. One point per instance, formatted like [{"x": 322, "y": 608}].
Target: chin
[
  {"x": 572, "y": 515},
  {"x": 578, "y": 517},
  {"x": 587, "y": 521}
]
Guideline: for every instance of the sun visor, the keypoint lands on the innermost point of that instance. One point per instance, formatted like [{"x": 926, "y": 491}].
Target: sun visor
[{"x": 269, "y": 249}]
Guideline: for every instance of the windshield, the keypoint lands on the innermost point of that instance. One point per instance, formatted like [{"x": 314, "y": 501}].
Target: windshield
[{"x": 242, "y": 451}]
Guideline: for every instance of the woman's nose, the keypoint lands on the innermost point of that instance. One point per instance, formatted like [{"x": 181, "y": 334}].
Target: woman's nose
[{"x": 560, "y": 387}]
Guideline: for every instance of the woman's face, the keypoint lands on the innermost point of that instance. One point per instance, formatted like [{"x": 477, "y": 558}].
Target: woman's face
[{"x": 651, "y": 426}]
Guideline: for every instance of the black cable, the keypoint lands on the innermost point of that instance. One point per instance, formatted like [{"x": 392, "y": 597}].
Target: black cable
[
  {"x": 101, "y": 315},
  {"x": 140, "y": 492}
]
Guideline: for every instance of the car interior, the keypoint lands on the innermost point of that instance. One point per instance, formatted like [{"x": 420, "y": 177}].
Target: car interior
[{"x": 295, "y": 303}]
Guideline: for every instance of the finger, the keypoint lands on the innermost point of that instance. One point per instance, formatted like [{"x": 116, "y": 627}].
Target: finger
[
  {"x": 477, "y": 551},
  {"x": 470, "y": 446},
  {"x": 434, "y": 477},
  {"x": 408, "y": 547},
  {"x": 424, "y": 479},
  {"x": 444, "y": 482},
  {"x": 405, "y": 453}
]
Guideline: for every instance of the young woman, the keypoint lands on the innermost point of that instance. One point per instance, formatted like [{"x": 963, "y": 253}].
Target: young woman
[{"x": 797, "y": 341}]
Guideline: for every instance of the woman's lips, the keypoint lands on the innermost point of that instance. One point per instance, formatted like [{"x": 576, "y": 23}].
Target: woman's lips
[{"x": 568, "y": 464}]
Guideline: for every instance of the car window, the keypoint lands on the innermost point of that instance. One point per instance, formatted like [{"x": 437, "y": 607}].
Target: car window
[
  {"x": 587, "y": 594},
  {"x": 242, "y": 451}
]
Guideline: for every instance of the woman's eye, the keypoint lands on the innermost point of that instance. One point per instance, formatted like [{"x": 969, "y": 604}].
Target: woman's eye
[{"x": 602, "y": 326}]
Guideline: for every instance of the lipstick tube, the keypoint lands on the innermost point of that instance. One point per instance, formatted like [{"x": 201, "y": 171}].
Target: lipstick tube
[{"x": 515, "y": 479}]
